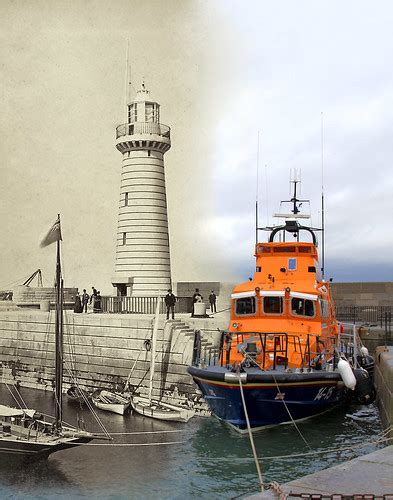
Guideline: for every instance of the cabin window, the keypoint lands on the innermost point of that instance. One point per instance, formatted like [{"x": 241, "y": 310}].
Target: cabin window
[
  {"x": 304, "y": 249},
  {"x": 284, "y": 249},
  {"x": 303, "y": 307},
  {"x": 244, "y": 306},
  {"x": 272, "y": 305},
  {"x": 291, "y": 264}
]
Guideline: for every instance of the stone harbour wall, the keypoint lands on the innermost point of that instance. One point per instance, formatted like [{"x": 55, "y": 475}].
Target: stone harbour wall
[
  {"x": 383, "y": 380},
  {"x": 102, "y": 350}
]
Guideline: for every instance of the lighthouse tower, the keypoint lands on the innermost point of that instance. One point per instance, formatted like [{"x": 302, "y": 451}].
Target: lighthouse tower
[{"x": 142, "y": 265}]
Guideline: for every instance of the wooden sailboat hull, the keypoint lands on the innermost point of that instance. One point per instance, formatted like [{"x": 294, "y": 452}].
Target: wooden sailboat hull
[
  {"x": 16, "y": 447},
  {"x": 110, "y": 401},
  {"x": 26, "y": 440},
  {"x": 161, "y": 411}
]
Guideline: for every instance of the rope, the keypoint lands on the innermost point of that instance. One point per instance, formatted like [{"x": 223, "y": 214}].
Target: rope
[
  {"x": 145, "y": 432},
  {"x": 135, "y": 444},
  {"x": 250, "y": 434},
  {"x": 12, "y": 394},
  {"x": 246, "y": 355}
]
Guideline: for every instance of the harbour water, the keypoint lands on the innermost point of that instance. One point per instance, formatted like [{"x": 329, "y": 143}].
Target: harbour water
[{"x": 203, "y": 459}]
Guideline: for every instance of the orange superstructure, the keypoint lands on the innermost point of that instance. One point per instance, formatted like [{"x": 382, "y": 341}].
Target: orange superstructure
[
  {"x": 287, "y": 301},
  {"x": 282, "y": 357}
]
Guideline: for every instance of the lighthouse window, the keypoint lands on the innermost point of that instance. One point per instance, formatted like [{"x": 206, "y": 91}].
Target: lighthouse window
[
  {"x": 272, "y": 305},
  {"x": 126, "y": 200},
  {"x": 124, "y": 238},
  {"x": 245, "y": 306},
  {"x": 302, "y": 307},
  {"x": 149, "y": 112}
]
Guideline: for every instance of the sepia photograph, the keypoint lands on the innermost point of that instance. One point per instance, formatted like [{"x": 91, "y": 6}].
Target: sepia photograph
[{"x": 196, "y": 281}]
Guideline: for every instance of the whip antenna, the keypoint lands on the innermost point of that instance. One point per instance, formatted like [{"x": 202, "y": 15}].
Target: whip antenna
[
  {"x": 256, "y": 195},
  {"x": 322, "y": 203}
]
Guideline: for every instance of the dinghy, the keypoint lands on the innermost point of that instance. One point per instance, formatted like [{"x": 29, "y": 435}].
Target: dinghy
[
  {"x": 162, "y": 411},
  {"x": 111, "y": 401}
]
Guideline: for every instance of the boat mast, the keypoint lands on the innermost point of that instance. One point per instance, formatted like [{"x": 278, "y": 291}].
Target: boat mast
[
  {"x": 153, "y": 347},
  {"x": 58, "y": 341},
  {"x": 256, "y": 197},
  {"x": 322, "y": 204}
]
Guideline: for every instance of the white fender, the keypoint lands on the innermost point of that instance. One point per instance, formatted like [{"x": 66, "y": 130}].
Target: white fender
[
  {"x": 363, "y": 351},
  {"x": 346, "y": 373}
]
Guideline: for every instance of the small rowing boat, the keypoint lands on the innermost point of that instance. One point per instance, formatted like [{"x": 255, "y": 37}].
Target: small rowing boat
[
  {"x": 111, "y": 401},
  {"x": 161, "y": 411}
]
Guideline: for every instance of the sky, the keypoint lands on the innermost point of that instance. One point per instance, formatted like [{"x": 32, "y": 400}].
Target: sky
[{"x": 225, "y": 72}]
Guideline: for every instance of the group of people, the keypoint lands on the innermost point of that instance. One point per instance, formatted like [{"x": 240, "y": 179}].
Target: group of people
[
  {"x": 170, "y": 302},
  {"x": 82, "y": 301}
]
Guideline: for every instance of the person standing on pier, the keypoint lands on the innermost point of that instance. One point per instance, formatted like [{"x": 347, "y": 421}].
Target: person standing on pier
[
  {"x": 170, "y": 301},
  {"x": 212, "y": 300},
  {"x": 85, "y": 300},
  {"x": 77, "y": 304},
  {"x": 97, "y": 303}
]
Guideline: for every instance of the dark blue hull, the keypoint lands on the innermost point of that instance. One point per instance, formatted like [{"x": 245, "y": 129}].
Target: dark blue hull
[{"x": 271, "y": 398}]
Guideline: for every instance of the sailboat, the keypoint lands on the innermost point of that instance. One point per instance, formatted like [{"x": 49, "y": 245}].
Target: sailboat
[
  {"x": 154, "y": 408},
  {"x": 24, "y": 432}
]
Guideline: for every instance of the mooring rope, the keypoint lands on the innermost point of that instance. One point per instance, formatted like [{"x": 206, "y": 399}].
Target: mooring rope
[
  {"x": 125, "y": 445},
  {"x": 250, "y": 433},
  {"x": 281, "y": 398}
]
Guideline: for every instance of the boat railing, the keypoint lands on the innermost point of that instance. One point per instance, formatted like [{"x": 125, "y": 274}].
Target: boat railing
[{"x": 264, "y": 350}]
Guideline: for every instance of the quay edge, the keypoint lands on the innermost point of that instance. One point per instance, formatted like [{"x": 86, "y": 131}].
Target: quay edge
[
  {"x": 370, "y": 474},
  {"x": 104, "y": 348}
]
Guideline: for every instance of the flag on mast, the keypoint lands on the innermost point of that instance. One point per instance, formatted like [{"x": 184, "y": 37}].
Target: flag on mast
[{"x": 54, "y": 234}]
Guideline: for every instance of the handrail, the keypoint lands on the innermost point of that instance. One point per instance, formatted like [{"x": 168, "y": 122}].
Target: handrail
[{"x": 138, "y": 128}]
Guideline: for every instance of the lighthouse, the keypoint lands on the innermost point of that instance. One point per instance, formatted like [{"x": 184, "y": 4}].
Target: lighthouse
[{"x": 142, "y": 264}]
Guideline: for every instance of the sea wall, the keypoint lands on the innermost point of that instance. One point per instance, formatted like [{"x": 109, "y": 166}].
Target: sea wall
[
  {"x": 102, "y": 350},
  {"x": 383, "y": 380}
]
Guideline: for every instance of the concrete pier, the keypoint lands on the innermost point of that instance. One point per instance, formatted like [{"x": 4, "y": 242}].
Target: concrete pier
[
  {"x": 101, "y": 349},
  {"x": 370, "y": 474},
  {"x": 383, "y": 380}
]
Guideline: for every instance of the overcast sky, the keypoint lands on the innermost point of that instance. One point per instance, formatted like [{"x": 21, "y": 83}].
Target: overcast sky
[{"x": 222, "y": 70}]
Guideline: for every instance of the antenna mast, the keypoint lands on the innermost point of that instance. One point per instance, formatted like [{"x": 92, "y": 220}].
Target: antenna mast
[
  {"x": 322, "y": 203},
  {"x": 256, "y": 196}
]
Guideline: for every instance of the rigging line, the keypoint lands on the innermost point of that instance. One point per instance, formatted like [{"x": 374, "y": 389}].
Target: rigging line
[
  {"x": 135, "y": 444},
  {"x": 282, "y": 399},
  {"x": 87, "y": 402},
  {"x": 250, "y": 434},
  {"x": 132, "y": 369},
  {"x": 12, "y": 394},
  {"x": 19, "y": 394},
  {"x": 144, "y": 432}
]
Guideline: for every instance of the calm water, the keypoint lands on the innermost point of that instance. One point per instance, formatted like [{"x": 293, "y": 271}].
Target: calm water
[{"x": 208, "y": 461}]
